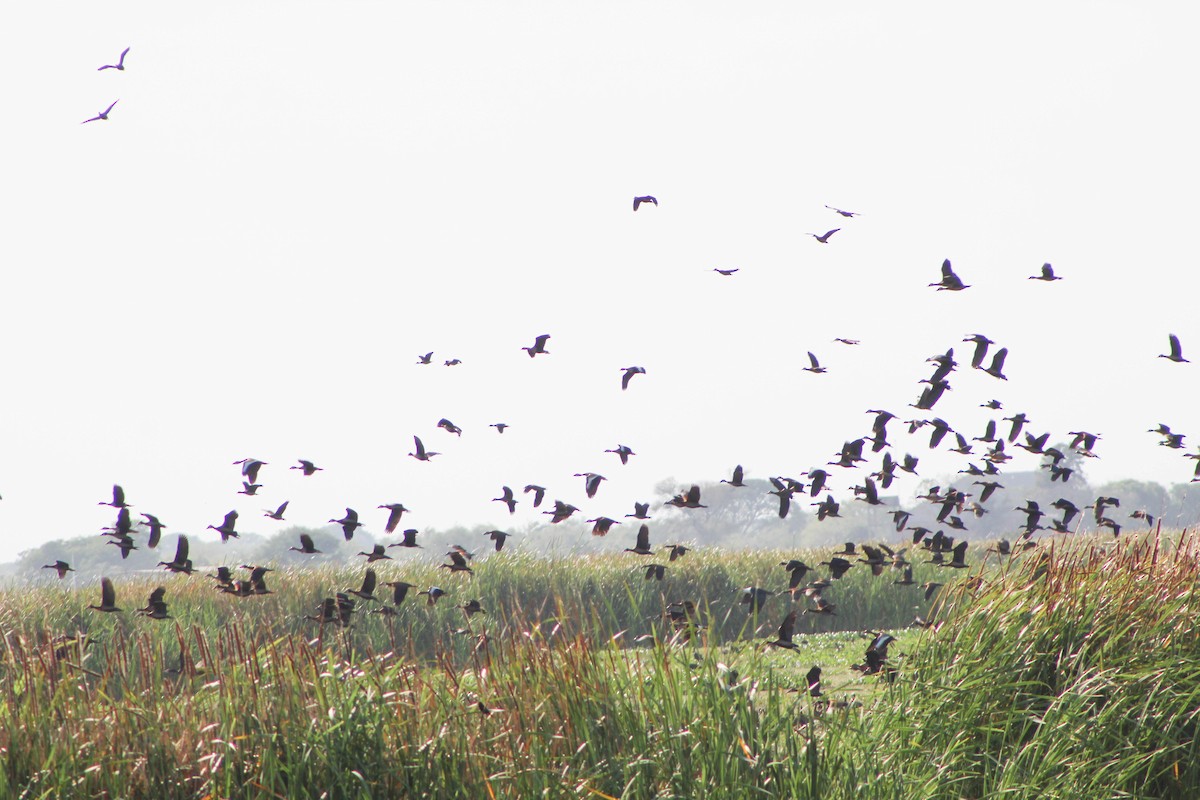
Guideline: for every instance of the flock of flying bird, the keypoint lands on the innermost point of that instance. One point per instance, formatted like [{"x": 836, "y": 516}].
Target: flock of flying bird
[{"x": 952, "y": 505}]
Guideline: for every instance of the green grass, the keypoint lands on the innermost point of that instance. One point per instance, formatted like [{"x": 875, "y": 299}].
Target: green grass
[{"x": 1079, "y": 679}]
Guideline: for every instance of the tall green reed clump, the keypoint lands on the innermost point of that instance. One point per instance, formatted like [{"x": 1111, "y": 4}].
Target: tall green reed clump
[{"x": 1072, "y": 674}]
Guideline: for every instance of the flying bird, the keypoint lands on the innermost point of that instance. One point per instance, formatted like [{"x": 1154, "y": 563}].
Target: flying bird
[
  {"x": 422, "y": 454},
  {"x": 108, "y": 596},
  {"x": 823, "y": 238},
  {"x": 118, "y": 500},
  {"x": 425, "y": 359},
  {"x": 725, "y": 272},
  {"x": 307, "y": 467},
  {"x": 226, "y": 528},
  {"x": 498, "y": 538},
  {"x": 449, "y": 426},
  {"x": 628, "y": 376},
  {"x": 737, "y": 477},
  {"x": 846, "y": 214},
  {"x": 646, "y": 198},
  {"x": 1046, "y": 275},
  {"x": 539, "y": 493},
  {"x": 506, "y": 497},
  {"x": 61, "y": 567},
  {"x": 306, "y": 545},
  {"x": 120, "y": 65},
  {"x": 996, "y": 370},
  {"x": 786, "y": 631},
  {"x": 103, "y": 114},
  {"x": 539, "y": 346},
  {"x": 815, "y": 366},
  {"x": 349, "y": 523},
  {"x": 277, "y": 514},
  {"x": 1176, "y": 353},
  {"x": 623, "y": 452},
  {"x": 395, "y": 511},
  {"x": 949, "y": 281},
  {"x": 642, "y": 548}
]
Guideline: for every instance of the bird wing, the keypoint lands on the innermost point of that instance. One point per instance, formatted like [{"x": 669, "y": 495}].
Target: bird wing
[
  {"x": 306, "y": 541},
  {"x": 643, "y": 538},
  {"x": 181, "y": 550},
  {"x": 110, "y": 108},
  {"x": 420, "y": 446},
  {"x": 108, "y": 595},
  {"x": 1176, "y": 349},
  {"x": 368, "y": 584},
  {"x": 230, "y": 520}
]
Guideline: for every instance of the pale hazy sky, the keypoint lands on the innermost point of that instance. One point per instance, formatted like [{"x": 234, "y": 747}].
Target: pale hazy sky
[{"x": 291, "y": 201}]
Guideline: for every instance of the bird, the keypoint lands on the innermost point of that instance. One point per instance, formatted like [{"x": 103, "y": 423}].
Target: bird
[
  {"x": 425, "y": 359},
  {"x": 156, "y": 606},
  {"x": 422, "y": 454},
  {"x": 591, "y": 482},
  {"x": 623, "y": 452},
  {"x": 813, "y": 680},
  {"x": 277, "y": 514},
  {"x": 399, "y": 590},
  {"x": 846, "y": 214},
  {"x": 786, "y": 630},
  {"x": 409, "y": 540},
  {"x": 725, "y": 272},
  {"x": 506, "y": 497},
  {"x": 458, "y": 562},
  {"x": 226, "y": 528},
  {"x": 755, "y": 597},
  {"x": 156, "y": 528},
  {"x": 108, "y": 596},
  {"x": 539, "y": 493},
  {"x": 472, "y": 607},
  {"x": 498, "y": 538},
  {"x": 452, "y": 362},
  {"x": 690, "y": 499},
  {"x": 103, "y": 115},
  {"x": 561, "y": 511},
  {"x": 645, "y": 198},
  {"x": 628, "y": 376},
  {"x": 307, "y": 467},
  {"x": 349, "y": 523},
  {"x": 827, "y": 508},
  {"x": 118, "y": 498},
  {"x": 378, "y": 552},
  {"x": 823, "y": 607},
  {"x": 823, "y": 238},
  {"x": 640, "y": 510},
  {"x": 602, "y": 525},
  {"x": 395, "y": 512},
  {"x": 960, "y": 554},
  {"x": 432, "y": 594},
  {"x": 120, "y": 65},
  {"x": 249, "y": 488},
  {"x": 499, "y": 426},
  {"x": 814, "y": 366},
  {"x": 1176, "y": 353},
  {"x": 736, "y": 480},
  {"x": 655, "y": 571},
  {"x": 949, "y": 281},
  {"x": 981, "y": 346},
  {"x": 842, "y": 340},
  {"x": 367, "y": 590},
  {"x": 61, "y": 567},
  {"x": 837, "y": 566},
  {"x": 539, "y": 346},
  {"x": 676, "y": 551},
  {"x": 996, "y": 370},
  {"x": 306, "y": 545},
  {"x": 181, "y": 562},
  {"x": 1047, "y": 274},
  {"x": 449, "y": 426},
  {"x": 642, "y": 548},
  {"x": 250, "y": 468}
]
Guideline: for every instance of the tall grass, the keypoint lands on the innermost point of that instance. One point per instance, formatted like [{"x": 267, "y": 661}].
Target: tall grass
[{"x": 1073, "y": 676}]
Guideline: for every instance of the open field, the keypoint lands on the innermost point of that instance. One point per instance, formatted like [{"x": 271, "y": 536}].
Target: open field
[{"x": 1067, "y": 672}]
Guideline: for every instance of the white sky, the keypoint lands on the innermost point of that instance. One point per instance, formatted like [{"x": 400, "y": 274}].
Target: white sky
[{"x": 291, "y": 201}]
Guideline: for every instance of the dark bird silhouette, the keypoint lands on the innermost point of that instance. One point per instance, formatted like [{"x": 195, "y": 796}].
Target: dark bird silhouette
[
  {"x": 61, "y": 567},
  {"x": 395, "y": 512},
  {"x": 628, "y": 376},
  {"x": 690, "y": 499},
  {"x": 1018, "y": 421},
  {"x": 786, "y": 631},
  {"x": 846, "y": 214},
  {"x": 472, "y": 607},
  {"x": 591, "y": 482},
  {"x": 725, "y": 272},
  {"x": 226, "y": 528},
  {"x": 400, "y": 590},
  {"x": 949, "y": 281},
  {"x": 755, "y": 597},
  {"x": 499, "y": 426},
  {"x": 108, "y": 596},
  {"x": 349, "y": 523},
  {"x": 539, "y": 492},
  {"x": 449, "y": 426},
  {"x": 981, "y": 348},
  {"x": 676, "y": 551},
  {"x": 498, "y": 538},
  {"x": 422, "y": 454},
  {"x": 425, "y": 359},
  {"x": 1069, "y": 509},
  {"x": 378, "y": 552},
  {"x": 561, "y": 511},
  {"x": 409, "y": 540},
  {"x": 1176, "y": 353},
  {"x": 452, "y": 362},
  {"x": 645, "y": 198},
  {"x": 277, "y": 514},
  {"x": 827, "y": 508},
  {"x": 868, "y": 493},
  {"x": 506, "y": 497},
  {"x": 814, "y": 365},
  {"x": 823, "y": 607},
  {"x": 850, "y": 454},
  {"x": 812, "y": 679},
  {"x": 367, "y": 590},
  {"x": 603, "y": 525},
  {"x": 118, "y": 498},
  {"x": 306, "y": 545},
  {"x": 103, "y": 115},
  {"x": 640, "y": 511},
  {"x": 539, "y": 346},
  {"x": 817, "y": 478},
  {"x": 181, "y": 562},
  {"x": 623, "y": 452},
  {"x": 1047, "y": 274},
  {"x": 156, "y": 605},
  {"x": 655, "y": 571},
  {"x": 250, "y": 468},
  {"x": 959, "y": 559},
  {"x": 823, "y": 238},
  {"x": 156, "y": 528},
  {"x": 432, "y": 594},
  {"x": 737, "y": 477},
  {"x": 642, "y": 548},
  {"x": 837, "y": 566},
  {"x": 996, "y": 370},
  {"x": 120, "y": 65},
  {"x": 307, "y": 467},
  {"x": 249, "y": 488},
  {"x": 931, "y": 587}
]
